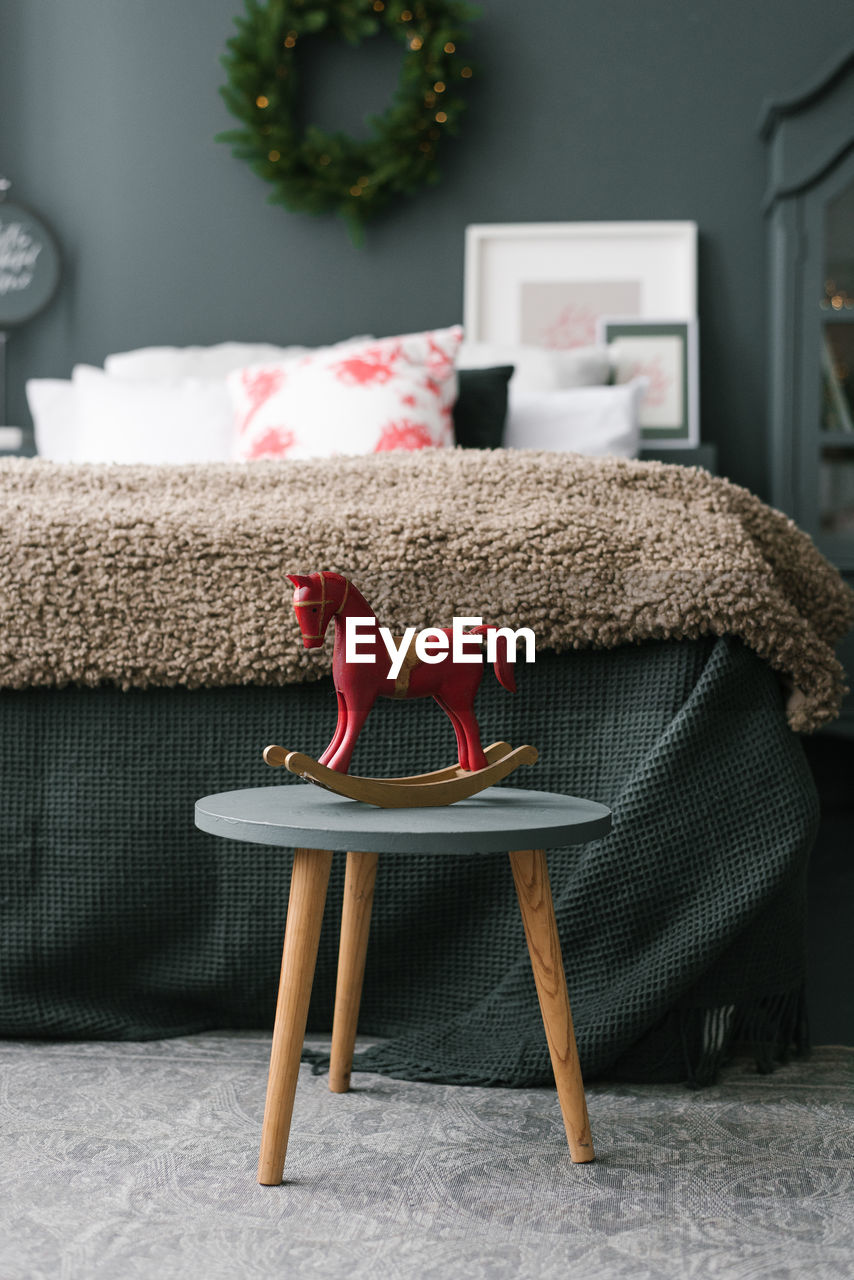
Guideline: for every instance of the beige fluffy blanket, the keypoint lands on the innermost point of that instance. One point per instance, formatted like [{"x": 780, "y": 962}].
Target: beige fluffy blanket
[{"x": 176, "y": 575}]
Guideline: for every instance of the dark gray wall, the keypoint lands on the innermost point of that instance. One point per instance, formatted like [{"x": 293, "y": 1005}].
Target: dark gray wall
[{"x": 601, "y": 109}]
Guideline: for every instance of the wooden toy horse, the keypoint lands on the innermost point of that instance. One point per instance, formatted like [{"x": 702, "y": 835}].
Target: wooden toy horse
[{"x": 320, "y": 597}]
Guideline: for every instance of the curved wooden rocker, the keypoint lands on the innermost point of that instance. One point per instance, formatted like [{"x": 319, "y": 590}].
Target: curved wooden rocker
[{"x": 443, "y": 786}]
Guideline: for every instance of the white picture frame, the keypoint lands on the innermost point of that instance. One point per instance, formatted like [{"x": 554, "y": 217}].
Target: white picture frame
[
  {"x": 546, "y": 284},
  {"x": 664, "y": 351}
]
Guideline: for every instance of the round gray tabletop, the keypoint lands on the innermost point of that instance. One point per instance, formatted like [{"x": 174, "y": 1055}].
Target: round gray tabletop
[{"x": 497, "y": 820}]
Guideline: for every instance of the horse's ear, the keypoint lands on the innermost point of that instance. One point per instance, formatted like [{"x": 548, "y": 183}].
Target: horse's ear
[{"x": 298, "y": 579}]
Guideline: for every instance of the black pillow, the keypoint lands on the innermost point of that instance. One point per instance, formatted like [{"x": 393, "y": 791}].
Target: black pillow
[{"x": 481, "y": 407}]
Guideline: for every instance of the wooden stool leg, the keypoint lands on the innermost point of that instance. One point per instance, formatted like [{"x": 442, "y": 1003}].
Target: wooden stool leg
[
  {"x": 355, "y": 926},
  {"x": 531, "y": 875},
  {"x": 309, "y": 881}
]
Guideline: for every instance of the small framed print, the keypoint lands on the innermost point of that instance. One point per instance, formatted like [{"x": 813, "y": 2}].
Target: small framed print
[{"x": 665, "y": 353}]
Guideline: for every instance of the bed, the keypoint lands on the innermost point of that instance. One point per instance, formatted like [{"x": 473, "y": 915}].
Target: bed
[{"x": 148, "y": 653}]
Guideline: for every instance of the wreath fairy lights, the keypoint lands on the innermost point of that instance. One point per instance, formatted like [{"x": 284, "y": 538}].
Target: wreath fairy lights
[{"x": 315, "y": 171}]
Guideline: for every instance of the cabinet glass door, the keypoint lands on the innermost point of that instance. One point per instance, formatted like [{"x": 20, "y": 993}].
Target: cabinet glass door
[{"x": 836, "y": 468}]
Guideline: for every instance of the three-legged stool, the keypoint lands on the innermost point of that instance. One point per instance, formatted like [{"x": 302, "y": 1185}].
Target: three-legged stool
[{"x": 501, "y": 819}]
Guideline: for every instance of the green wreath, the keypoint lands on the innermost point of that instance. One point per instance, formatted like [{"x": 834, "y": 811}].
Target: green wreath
[{"x": 319, "y": 172}]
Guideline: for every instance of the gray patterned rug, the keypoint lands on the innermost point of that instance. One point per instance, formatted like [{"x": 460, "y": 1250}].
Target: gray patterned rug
[{"x": 138, "y": 1160}]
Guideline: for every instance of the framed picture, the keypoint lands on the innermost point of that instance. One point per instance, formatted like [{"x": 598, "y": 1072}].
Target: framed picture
[
  {"x": 548, "y": 284},
  {"x": 665, "y": 353}
]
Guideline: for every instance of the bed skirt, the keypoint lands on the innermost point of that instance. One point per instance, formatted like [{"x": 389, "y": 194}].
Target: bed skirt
[{"x": 682, "y": 931}]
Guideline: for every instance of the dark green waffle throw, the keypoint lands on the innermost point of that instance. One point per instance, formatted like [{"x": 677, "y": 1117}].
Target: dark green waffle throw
[{"x": 681, "y": 930}]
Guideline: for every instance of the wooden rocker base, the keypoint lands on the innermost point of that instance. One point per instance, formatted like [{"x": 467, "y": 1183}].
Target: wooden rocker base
[{"x": 443, "y": 786}]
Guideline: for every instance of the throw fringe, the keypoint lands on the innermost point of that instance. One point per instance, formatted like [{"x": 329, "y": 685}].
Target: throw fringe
[{"x": 768, "y": 1030}]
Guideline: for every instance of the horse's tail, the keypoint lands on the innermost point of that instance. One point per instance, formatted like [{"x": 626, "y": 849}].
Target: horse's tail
[{"x": 504, "y": 672}]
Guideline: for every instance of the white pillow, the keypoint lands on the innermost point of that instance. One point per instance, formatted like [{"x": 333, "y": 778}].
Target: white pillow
[
  {"x": 540, "y": 368},
  {"x": 590, "y": 420},
  {"x": 194, "y": 362},
  {"x": 386, "y": 393},
  {"x": 163, "y": 420},
  {"x": 53, "y": 405},
  {"x": 199, "y": 362}
]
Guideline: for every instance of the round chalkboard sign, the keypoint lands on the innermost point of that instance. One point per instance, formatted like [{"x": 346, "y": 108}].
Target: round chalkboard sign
[{"x": 29, "y": 265}]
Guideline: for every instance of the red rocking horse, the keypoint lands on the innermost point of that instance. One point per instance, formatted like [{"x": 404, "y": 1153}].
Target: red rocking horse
[{"x": 320, "y": 597}]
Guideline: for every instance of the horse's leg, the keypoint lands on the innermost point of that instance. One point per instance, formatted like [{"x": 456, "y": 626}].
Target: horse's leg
[
  {"x": 340, "y": 730},
  {"x": 463, "y": 710},
  {"x": 357, "y": 714},
  {"x": 462, "y": 745}
]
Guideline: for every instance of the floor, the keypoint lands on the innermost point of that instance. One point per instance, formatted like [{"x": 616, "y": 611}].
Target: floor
[{"x": 138, "y": 1160}]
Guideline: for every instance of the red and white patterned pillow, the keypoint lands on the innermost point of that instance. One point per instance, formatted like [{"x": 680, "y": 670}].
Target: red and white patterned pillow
[{"x": 366, "y": 397}]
